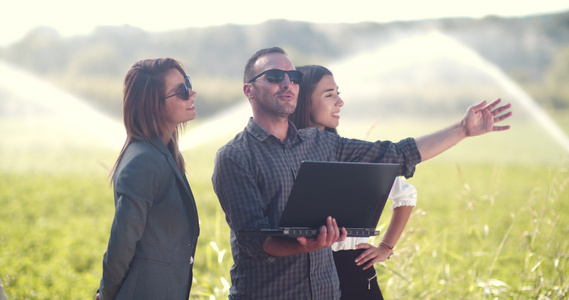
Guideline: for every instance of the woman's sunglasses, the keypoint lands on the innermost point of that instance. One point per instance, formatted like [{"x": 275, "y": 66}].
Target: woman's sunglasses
[
  {"x": 276, "y": 76},
  {"x": 185, "y": 92}
]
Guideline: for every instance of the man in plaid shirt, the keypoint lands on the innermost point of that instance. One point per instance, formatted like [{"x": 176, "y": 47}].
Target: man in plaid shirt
[{"x": 254, "y": 174}]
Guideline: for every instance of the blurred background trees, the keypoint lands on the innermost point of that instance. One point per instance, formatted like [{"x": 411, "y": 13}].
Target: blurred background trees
[{"x": 533, "y": 50}]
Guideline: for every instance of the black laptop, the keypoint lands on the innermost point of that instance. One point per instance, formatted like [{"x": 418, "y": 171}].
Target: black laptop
[{"x": 353, "y": 193}]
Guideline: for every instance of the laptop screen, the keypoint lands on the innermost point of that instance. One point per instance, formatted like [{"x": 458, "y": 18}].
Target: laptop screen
[{"x": 353, "y": 193}]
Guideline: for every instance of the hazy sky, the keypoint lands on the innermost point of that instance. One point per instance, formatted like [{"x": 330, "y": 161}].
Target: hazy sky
[{"x": 71, "y": 17}]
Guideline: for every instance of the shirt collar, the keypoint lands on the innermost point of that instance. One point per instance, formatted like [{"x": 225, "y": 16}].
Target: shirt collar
[{"x": 261, "y": 134}]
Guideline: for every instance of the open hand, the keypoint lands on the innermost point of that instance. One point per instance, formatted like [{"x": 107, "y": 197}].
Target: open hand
[{"x": 481, "y": 118}]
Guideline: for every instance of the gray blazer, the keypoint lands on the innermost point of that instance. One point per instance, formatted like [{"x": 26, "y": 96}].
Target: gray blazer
[{"x": 155, "y": 230}]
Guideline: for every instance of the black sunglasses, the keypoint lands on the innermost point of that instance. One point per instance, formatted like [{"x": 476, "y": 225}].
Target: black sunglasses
[
  {"x": 185, "y": 90},
  {"x": 276, "y": 76}
]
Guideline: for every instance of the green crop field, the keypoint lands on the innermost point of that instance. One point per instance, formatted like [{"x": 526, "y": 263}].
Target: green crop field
[{"x": 483, "y": 228}]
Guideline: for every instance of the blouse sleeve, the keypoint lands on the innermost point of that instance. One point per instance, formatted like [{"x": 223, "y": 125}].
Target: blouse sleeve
[{"x": 402, "y": 194}]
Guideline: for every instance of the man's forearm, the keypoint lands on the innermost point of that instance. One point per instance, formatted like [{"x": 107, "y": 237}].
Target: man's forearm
[{"x": 433, "y": 144}]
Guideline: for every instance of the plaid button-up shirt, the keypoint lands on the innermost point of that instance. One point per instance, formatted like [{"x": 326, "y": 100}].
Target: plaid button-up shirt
[{"x": 253, "y": 177}]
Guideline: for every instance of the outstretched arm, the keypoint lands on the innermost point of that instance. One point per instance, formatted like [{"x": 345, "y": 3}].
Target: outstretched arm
[{"x": 479, "y": 119}]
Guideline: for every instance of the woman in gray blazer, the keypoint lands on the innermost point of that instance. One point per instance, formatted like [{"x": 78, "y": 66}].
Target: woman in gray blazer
[{"x": 155, "y": 229}]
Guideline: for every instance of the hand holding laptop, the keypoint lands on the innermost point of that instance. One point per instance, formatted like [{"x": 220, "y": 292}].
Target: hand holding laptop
[
  {"x": 285, "y": 246},
  {"x": 354, "y": 194},
  {"x": 328, "y": 235}
]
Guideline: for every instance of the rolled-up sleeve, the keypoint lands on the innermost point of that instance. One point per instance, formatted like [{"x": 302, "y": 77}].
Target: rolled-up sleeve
[{"x": 405, "y": 153}]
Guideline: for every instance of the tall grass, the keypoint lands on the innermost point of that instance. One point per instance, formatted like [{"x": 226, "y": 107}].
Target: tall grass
[
  {"x": 53, "y": 233},
  {"x": 483, "y": 228},
  {"x": 500, "y": 233},
  {"x": 479, "y": 232}
]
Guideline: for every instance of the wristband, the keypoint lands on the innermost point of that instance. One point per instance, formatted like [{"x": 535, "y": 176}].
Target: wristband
[
  {"x": 386, "y": 244},
  {"x": 388, "y": 247}
]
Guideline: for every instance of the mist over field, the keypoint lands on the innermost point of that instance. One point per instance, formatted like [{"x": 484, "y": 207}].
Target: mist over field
[{"x": 418, "y": 83}]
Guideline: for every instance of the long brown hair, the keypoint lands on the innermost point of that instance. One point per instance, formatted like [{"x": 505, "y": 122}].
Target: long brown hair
[
  {"x": 143, "y": 101},
  {"x": 311, "y": 75}
]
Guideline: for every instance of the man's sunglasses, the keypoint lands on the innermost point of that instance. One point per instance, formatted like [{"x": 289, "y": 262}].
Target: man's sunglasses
[
  {"x": 185, "y": 90},
  {"x": 276, "y": 76}
]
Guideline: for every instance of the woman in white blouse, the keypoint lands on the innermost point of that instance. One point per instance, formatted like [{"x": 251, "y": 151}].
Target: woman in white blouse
[{"x": 319, "y": 106}]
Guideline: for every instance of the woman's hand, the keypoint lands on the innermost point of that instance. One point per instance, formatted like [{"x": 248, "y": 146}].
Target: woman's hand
[{"x": 371, "y": 255}]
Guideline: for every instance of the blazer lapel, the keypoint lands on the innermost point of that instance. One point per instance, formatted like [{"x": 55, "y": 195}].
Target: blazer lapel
[
  {"x": 191, "y": 203},
  {"x": 181, "y": 178}
]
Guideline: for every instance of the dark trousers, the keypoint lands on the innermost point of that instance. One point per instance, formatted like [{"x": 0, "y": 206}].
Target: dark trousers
[{"x": 355, "y": 283}]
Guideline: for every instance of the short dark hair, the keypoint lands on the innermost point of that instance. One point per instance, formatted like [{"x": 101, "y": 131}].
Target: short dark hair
[
  {"x": 249, "y": 72},
  {"x": 311, "y": 76}
]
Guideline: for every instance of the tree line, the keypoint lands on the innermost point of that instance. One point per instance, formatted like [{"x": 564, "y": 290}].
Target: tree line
[{"x": 533, "y": 50}]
